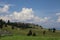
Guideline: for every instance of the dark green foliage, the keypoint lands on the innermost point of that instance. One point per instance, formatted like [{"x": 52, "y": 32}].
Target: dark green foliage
[
  {"x": 17, "y": 24},
  {"x": 29, "y": 33},
  {"x": 54, "y": 30},
  {"x": 1, "y": 23},
  {"x": 12, "y": 27},
  {"x": 5, "y": 25},
  {"x": 34, "y": 34},
  {"x": 49, "y": 29},
  {"x": 1, "y": 26},
  {"x": 44, "y": 32},
  {"x": 23, "y": 25},
  {"x": 8, "y": 22},
  {"x": 41, "y": 27}
]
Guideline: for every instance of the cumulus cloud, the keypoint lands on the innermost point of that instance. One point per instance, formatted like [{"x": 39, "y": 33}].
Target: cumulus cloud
[
  {"x": 58, "y": 14},
  {"x": 4, "y": 9},
  {"x": 24, "y": 15},
  {"x": 58, "y": 20}
]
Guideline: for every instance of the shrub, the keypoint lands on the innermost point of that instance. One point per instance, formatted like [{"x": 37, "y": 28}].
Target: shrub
[
  {"x": 54, "y": 30},
  {"x": 44, "y": 32},
  {"x": 34, "y": 34},
  {"x": 29, "y": 33}
]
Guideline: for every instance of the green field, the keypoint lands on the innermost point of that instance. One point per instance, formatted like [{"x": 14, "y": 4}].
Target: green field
[
  {"x": 19, "y": 37},
  {"x": 21, "y": 34}
]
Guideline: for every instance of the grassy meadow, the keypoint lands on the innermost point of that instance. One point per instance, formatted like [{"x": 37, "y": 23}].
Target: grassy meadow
[
  {"x": 19, "y": 37},
  {"x": 21, "y": 34}
]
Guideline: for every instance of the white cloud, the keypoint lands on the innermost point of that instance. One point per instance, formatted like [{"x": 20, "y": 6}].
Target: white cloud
[
  {"x": 38, "y": 19},
  {"x": 5, "y": 18},
  {"x": 58, "y": 20},
  {"x": 58, "y": 14},
  {"x": 4, "y": 9},
  {"x": 24, "y": 15}
]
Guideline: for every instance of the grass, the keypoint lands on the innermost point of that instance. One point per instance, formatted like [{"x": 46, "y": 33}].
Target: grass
[
  {"x": 19, "y": 37},
  {"x": 21, "y": 34}
]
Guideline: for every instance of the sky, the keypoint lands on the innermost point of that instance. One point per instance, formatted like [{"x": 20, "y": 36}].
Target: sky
[{"x": 42, "y": 12}]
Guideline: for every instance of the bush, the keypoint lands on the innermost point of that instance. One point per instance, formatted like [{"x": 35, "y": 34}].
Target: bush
[
  {"x": 29, "y": 33},
  {"x": 34, "y": 34},
  {"x": 12, "y": 27},
  {"x": 54, "y": 30},
  {"x": 44, "y": 32},
  {"x": 49, "y": 29}
]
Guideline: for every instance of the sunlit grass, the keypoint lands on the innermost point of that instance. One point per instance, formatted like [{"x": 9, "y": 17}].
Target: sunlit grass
[
  {"x": 21, "y": 34},
  {"x": 19, "y": 37}
]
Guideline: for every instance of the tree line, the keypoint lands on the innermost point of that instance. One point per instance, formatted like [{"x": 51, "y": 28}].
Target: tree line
[{"x": 16, "y": 24}]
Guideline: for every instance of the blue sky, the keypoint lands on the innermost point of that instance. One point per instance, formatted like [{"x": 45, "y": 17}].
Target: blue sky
[{"x": 42, "y": 12}]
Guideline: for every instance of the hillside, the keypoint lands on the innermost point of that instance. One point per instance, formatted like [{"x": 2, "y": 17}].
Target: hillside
[
  {"x": 14, "y": 30},
  {"x": 17, "y": 27}
]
